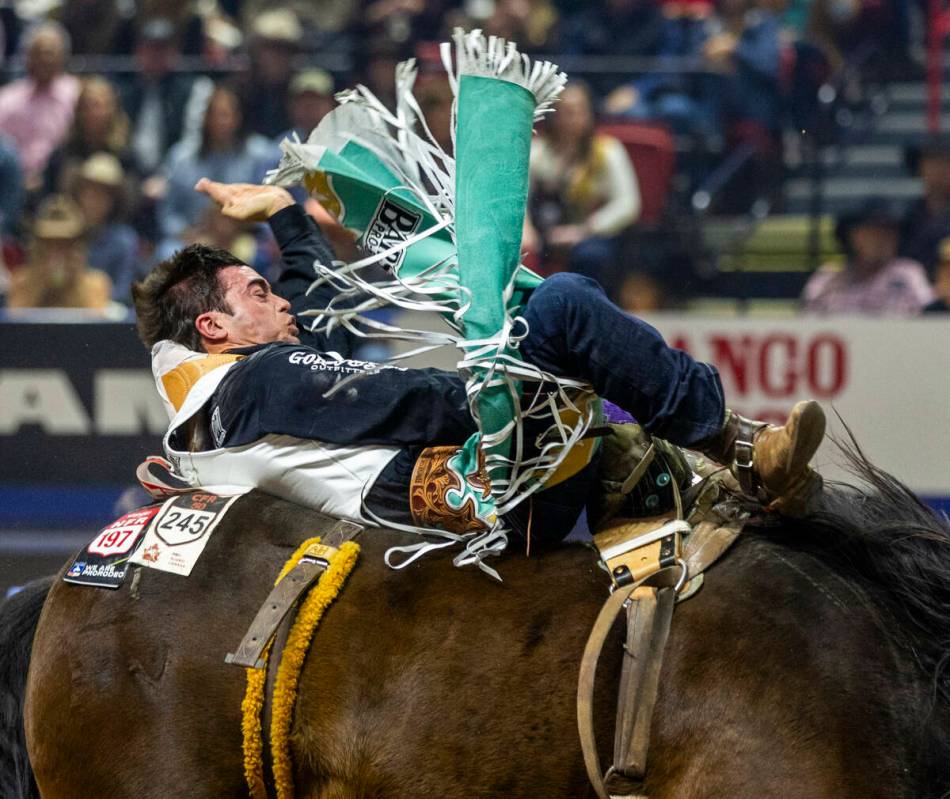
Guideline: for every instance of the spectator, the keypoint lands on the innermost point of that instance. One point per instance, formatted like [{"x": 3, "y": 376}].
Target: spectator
[
  {"x": 873, "y": 33},
  {"x": 874, "y": 280},
  {"x": 376, "y": 68},
  {"x": 942, "y": 281},
  {"x": 613, "y": 27},
  {"x": 97, "y": 27},
  {"x": 164, "y": 106},
  {"x": 400, "y": 23},
  {"x": 221, "y": 39},
  {"x": 311, "y": 99},
  {"x": 100, "y": 125},
  {"x": 58, "y": 274},
  {"x": 584, "y": 192},
  {"x": 927, "y": 221},
  {"x": 113, "y": 246},
  {"x": 435, "y": 100},
  {"x": 746, "y": 51},
  {"x": 36, "y": 111},
  {"x": 530, "y": 23},
  {"x": 186, "y": 17},
  {"x": 226, "y": 153},
  {"x": 274, "y": 42},
  {"x": 217, "y": 230},
  {"x": 676, "y": 96},
  {"x": 641, "y": 294},
  {"x": 11, "y": 187},
  {"x": 325, "y": 23}
]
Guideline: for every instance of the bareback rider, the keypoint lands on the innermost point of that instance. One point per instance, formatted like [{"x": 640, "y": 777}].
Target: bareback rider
[{"x": 258, "y": 400}]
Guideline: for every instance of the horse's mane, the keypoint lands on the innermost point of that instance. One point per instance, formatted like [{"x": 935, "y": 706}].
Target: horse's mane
[
  {"x": 883, "y": 533},
  {"x": 878, "y": 533}
]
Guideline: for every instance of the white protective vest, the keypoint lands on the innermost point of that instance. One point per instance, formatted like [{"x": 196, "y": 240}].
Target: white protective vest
[{"x": 332, "y": 479}]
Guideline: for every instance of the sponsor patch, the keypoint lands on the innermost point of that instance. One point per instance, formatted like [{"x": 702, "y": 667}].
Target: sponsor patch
[
  {"x": 105, "y": 561},
  {"x": 392, "y": 224},
  {"x": 217, "y": 429},
  {"x": 180, "y": 532}
]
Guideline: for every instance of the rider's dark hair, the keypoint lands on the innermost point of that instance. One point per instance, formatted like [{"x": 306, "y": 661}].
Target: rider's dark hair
[{"x": 177, "y": 291}]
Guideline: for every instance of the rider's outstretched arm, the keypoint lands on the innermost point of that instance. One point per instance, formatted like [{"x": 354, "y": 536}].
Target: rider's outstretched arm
[{"x": 301, "y": 243}]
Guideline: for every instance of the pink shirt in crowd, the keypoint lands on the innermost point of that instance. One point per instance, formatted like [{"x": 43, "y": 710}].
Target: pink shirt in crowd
[
  {"x": 37, "y": 120},
  {"x": 901, "y": 287}
]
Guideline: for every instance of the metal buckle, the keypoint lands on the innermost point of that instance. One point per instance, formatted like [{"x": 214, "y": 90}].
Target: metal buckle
[
  {"x": 744, "y": 449},
  {"x": 680, "y": 581}
]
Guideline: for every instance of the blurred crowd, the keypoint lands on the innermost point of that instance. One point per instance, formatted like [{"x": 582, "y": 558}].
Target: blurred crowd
[{"x": 97, "y": 168}]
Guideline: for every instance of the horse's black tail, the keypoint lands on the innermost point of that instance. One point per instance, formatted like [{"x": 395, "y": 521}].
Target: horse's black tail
[{"x": 19, "y": 616}]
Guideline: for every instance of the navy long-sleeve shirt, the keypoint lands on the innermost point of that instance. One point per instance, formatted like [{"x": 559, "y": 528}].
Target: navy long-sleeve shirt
[{"x": 312, "y": 390}]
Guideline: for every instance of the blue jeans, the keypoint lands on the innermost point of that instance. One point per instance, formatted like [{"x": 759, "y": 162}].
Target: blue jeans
[{"x": 575, "y": 331}]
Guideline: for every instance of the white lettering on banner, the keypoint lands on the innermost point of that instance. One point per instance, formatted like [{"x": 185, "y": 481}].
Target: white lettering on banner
[
  {"x": 43, "y": 397},
  {"x": 127, "y": 404}
]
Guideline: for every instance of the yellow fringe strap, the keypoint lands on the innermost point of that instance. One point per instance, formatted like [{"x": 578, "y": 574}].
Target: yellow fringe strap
[
  {"x": 251, "y": 709},
  {"x": 341, "y": 563}
]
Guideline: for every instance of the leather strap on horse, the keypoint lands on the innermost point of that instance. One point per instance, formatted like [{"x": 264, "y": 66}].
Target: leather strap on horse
[
  {"x": 649, "y": 613},
  {"x": 284, "y": 595},
  {"x": 648, "y": 625},
  {"x": 642, "y": 562},
  {"x": 289, "y": 658}
]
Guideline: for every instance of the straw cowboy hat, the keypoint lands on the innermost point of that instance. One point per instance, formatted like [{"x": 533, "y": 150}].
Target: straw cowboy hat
[
  {"x": 102, "y": 168},
  {"x": 58, "y": 218}
]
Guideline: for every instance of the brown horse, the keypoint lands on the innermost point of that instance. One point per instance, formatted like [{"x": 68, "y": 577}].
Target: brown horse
[{"x": 811, "y": 664}]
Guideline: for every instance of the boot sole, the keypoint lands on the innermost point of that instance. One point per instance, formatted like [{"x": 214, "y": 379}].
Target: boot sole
[{"x": 809, "y": 433}]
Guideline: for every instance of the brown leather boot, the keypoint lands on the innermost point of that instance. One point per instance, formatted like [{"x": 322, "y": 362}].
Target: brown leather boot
[{"x": 771, "y": 463}]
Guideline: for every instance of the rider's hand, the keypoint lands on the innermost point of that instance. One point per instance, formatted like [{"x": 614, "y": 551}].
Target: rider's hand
[{"x": 247, "y": 202}]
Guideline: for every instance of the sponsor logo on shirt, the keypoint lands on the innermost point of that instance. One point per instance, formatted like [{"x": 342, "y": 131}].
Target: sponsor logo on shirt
[
  {"x": 217, "y": 429},
  {"x": 332, "y": 362}
]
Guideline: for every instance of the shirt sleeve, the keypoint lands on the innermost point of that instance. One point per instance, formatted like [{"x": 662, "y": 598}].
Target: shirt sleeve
[
  {"x": 301, "y": 244},
  {"x": 623, "y": 193},
  {"x": 919, "y": 290},
  {"x": 812, "y": 300},
  {"x": 296, "y": 391}
]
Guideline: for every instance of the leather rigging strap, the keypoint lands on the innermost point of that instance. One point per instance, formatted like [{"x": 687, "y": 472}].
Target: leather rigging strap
[
  {"x": 648, "y": 603},
  {"x": 648, "y": 626},
  {"x": 649, "y": 612}
]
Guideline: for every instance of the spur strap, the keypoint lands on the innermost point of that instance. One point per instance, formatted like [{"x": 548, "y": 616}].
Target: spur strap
[{"x": 744, "y": 460}]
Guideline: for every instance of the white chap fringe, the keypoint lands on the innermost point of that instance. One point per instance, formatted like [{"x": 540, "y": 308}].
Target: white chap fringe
[
  {"x": 405, "y": 144},
  {"x": 495, "y": 57}
]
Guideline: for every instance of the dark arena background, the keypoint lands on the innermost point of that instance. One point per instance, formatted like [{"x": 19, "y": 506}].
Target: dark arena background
[{"x": 766, "y": 181}]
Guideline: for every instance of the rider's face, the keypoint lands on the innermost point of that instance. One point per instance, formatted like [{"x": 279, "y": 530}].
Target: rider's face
[{"x": 258, "y": 316}]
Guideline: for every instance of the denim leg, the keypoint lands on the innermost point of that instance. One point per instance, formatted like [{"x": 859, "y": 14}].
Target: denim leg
[{"x": 575, "y": 331}]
